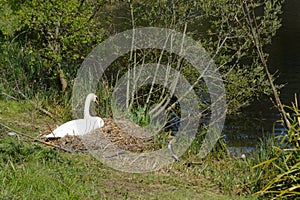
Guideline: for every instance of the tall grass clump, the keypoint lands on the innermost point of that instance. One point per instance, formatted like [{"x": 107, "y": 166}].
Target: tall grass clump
[
  {"x": 21, "y": 72},
  {"x": 279, "y": 174}
]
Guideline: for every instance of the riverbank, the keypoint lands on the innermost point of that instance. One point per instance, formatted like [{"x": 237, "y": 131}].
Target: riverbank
[{"x": 33, "y": 170}]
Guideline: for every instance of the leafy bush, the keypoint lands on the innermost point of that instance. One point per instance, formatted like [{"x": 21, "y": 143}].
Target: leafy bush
[
  {"x": 21, "y": 71},
  {"x": 224, "y": 30},
  {"x": 61, "y": 35}
]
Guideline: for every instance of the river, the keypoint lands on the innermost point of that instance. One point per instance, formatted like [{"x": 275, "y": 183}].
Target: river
[{"x": 258, "y": 120}]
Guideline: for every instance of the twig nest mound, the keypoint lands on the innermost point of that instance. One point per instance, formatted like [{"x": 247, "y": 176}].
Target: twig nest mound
[
  {"x": 117, "y": 135},
  {"x": 123, "y": 134},
  {"x": 72, "y": 143}
]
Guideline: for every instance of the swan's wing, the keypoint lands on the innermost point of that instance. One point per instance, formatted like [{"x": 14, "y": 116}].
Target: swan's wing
[
  {"x": 90, "y": 124},
  {"x": 68, "y": 128},
  {"x": 100, "y": 122},
  {"x": 77, "y": 127}
]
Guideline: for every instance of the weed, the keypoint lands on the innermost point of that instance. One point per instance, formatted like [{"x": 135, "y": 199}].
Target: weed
[{"x": 279, "y": 172}]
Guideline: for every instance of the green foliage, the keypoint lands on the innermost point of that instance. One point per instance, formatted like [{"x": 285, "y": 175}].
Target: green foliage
[
  {"x": 57, "y": 36},
  {"x": 21, "y": 71},
  {"x": 11, "y": 150},
  {"x": 31, "y": 170},
  {"x": 17, "y": 152},
  {"x": 39, "y": 39},
  {"x": 59, "y": 31},
  {"x": 219, "y": 151},
  {"x": 279, "y": 173},
  {"x": 140, "y": 116},
  {"x": 60, "y": 34},
  {"x": 8, "y": 20},
  {"x": 223, "y": 29}
]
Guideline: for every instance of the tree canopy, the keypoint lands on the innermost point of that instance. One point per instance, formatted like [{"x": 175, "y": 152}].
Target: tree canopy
[{"x": 52, "y": 38}]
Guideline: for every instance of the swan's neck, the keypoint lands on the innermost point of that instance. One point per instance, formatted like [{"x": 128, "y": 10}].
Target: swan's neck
[{"x": 88, "y": 100}]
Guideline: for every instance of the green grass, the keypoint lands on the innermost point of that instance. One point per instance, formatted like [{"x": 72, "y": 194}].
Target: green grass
[
  {"x": 29, "y": 170},
  {"x": 279, "y": 171},
  {"x": 37, "y": 172}
]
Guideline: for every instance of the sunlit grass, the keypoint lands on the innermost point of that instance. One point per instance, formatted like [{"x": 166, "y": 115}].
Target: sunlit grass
[
  {"x": 43, "y": 173},
  {"x": 30, "y": 170},
  {"x": 279, "y": 171}
]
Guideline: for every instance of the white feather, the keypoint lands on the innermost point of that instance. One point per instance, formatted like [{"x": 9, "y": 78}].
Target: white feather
[{"x": 79, "y": 126}]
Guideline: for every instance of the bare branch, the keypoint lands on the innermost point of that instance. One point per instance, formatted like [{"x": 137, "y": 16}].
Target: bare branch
[
  {"x": 35, "y": 139},
  {"x": 251, "y": 19}
]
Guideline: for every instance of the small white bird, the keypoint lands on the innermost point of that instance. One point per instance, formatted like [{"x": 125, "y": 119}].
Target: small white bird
[
  {"x": 79, "y": 126},
  {"x": 243, "y": 156}
]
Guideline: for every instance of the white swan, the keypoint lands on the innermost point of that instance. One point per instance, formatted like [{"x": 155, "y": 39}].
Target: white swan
[{"x": 79, "y": 126}]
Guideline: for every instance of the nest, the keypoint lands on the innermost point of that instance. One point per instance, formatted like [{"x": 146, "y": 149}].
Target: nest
[
  {"x": 122, "y": 145},
  {"x": 123, "y": 134}
]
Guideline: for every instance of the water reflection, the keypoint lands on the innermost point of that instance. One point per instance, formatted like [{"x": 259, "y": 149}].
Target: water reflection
[{"x": 243, "y": 133}]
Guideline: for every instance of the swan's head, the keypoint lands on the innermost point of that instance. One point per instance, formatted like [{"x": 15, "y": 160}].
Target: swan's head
[
  {"x": 95, "y": 99},
  {"x": 91, "y": 98}
]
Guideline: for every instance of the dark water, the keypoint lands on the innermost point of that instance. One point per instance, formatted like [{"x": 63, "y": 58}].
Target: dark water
[{"x": 258, "y": 120}]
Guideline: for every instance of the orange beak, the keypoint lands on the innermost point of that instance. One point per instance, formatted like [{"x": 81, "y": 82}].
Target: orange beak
[{"x": 97, "y": 101}]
